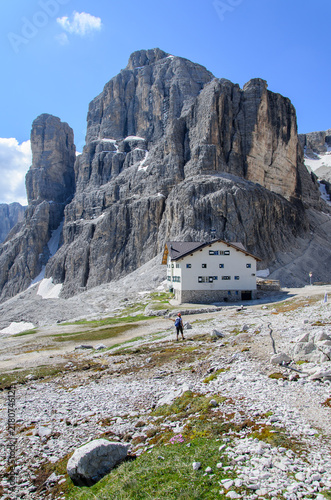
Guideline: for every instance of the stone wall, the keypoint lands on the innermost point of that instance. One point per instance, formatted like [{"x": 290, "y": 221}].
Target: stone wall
[{"x": 211, "y": 296}]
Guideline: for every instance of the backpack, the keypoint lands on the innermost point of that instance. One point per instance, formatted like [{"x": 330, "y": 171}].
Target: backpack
[{"x": 178, "y": 321}]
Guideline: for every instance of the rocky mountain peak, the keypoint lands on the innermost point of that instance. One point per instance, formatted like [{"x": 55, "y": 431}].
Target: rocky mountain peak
[
  {"x": 51, "y": 176},
  {"x": 257, "y": 84},
  {"x": 50, "y": 186},
  {"x": 142, "y": 58},
  {"x": 171, "y": 153}
]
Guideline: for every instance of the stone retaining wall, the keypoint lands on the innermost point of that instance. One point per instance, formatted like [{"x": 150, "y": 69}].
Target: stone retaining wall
[{"x": 210, "y": 296}]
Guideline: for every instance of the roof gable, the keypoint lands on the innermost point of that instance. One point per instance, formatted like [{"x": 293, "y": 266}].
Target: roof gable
[{"x": 179, "y": 249}]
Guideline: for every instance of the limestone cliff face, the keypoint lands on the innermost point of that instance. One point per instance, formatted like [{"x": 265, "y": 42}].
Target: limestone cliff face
[
  {"x": 171, "y": 153},
  {"x": 50, "y": 185},
  {"x": 53, "y": 149},
  {"x": 10, "y": 215},
  {"x": 316, "y": 142}
]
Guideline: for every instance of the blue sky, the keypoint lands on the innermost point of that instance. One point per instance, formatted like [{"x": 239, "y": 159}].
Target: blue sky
[{"x": 57, "y": 55}]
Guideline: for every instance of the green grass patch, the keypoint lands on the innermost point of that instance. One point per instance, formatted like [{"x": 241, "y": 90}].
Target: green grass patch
[
  {"x": 93, "y": 335},
  {"x": 130, "y": 341},
  {"x": 276, "y": 437},
  {"x": 187, "y": 404},
  {"x": 164, "y": 474},
  {"x": 277, "y": 376},
  {"x": 301, "y": 362},
  {"x": 162, "y": 296},
  {"x": 20, "y": 377},
  {"x": 214, "y": 375},
  {"x": 27, "y": 332},
  {"x": 114, "y": 320}
]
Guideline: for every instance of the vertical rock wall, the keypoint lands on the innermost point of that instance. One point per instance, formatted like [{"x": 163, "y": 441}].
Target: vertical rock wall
[{"x": 50, "y": 185}]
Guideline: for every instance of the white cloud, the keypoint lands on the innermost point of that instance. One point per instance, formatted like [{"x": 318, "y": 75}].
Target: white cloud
[
  {"x": 81, "y": 23},
  {"x": 15, "y": 160}
]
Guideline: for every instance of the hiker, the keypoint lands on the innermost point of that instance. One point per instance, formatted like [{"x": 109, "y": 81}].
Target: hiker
[{"x": 179, "y": 325}]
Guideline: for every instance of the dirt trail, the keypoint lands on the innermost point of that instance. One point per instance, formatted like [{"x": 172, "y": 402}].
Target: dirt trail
[{"x": 40, "y": 348}]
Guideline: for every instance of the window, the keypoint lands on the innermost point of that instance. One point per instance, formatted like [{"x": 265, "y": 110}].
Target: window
[
  {"x": 204, "y": 266},
  {"x": 248, "y": 266},
  {"x": 221, "y": 266},
  {"x": 169, "y": 278},
  {"x": 176, "y": 279},
  {"x": 188, "y": 266},
  {"x": 202, "y": 279},
  {"x": 177, "y": 266},
  {"x": 215, "y": 278},
  {"x": 236, "y": 277},
  {"x": 226, "y": 277},
  {"x": 253, "y": 274},
  {"x": 211, "y": 279},
  {"x": 224, "y": 252},
  {"x": 172, "y": 265},
  {"x": 213, "y": 252}
]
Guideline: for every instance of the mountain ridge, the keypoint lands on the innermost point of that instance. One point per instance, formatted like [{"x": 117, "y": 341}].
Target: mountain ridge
[{"x": 171, "y": 153}]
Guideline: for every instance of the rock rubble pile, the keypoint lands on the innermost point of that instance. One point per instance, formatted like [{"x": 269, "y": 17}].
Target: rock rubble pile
[{"x": 277, "y": 425}]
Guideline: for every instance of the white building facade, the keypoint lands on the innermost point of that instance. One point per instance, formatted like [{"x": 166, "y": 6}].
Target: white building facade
[{"x": 210, "y": 272}]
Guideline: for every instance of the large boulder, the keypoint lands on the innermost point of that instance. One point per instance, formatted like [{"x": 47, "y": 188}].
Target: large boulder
[{"x": 94, "y": 460}]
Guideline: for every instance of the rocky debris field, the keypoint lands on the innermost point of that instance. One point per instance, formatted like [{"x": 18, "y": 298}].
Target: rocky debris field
[{"x": 255, "y": 380}]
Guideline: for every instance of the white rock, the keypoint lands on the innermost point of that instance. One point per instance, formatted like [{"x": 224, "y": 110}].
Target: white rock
[
  {"x": 100, "y": 346},
  {"x": 300, "y": 476},
  {"x": 262, "y": 492},
  {"x": 321, "y": 336},
  {"x": 302, "y": 338},
  {"x": 315, "y": 477},
  {"x": 44, "y": 432},
  {"x": 196, "y": 465},
  {"x": 94, "y": 460},
  {"x": 253, "y": 486},
  {"x": 280, "y": 358},
  {"x": 321, "y": 374},
  {"x": 227, "y": 483},
  {"x": 233, "y": 494},
  {"x": 303, "y": 349},
  {"x": 53, "y": 478},
  {"x": 173, "y": 394}
]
